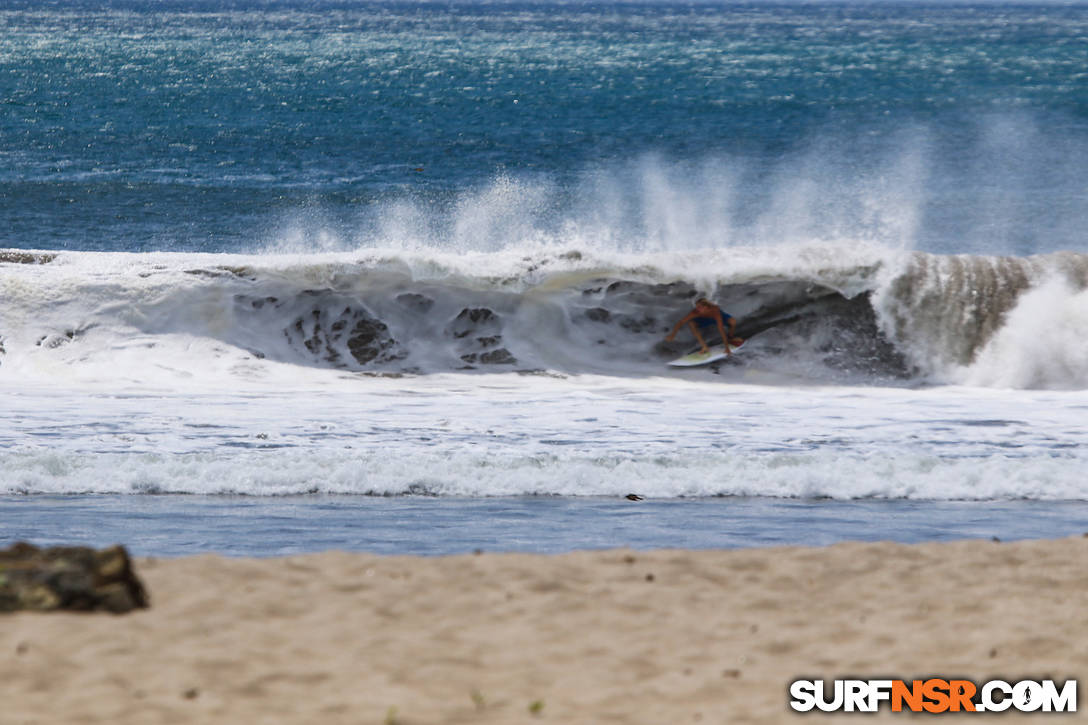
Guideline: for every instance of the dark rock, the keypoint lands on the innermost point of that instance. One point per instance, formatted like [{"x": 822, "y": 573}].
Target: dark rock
[
  {"x": 474, "y": 320},
  {"x": 330, "y": 337},
  {"x": 369, "y": 340},
  {"x": 257, "y": 303},
  {"x": 314, "y": 342},
  {"x": 617, "y": 287},
  {"x": 477, "y": 315},
  {"x": 415, "y": 302},
  {"x": 13, "y": 257},
  {"x": 75, "y": 578},
  {"x": 598, "y": 314},
  {"x": 646, "y": 323},
  {"x": 501, "y": 356}
]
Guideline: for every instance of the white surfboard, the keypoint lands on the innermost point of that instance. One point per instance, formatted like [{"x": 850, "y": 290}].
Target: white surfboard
[{"x": 700, "y": 358}]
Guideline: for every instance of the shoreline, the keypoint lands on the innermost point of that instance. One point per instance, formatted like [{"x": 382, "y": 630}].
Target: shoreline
[{"x": 664, "y": 636}]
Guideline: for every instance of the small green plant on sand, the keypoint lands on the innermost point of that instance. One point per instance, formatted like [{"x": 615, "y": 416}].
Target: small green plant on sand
[
  {"x": 478, "y": 699},
  {"x": 536, "y": 707}
]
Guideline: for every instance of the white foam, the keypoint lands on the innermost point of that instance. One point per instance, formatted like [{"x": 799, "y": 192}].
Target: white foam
[
  {"x": 475, "y": 473},
  {"x": 503, "y": 435},
  {"x": 1042, "y": 344}
]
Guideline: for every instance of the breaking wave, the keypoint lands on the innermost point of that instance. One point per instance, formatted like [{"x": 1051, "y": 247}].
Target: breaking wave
[{"x": 824, "y": 312}]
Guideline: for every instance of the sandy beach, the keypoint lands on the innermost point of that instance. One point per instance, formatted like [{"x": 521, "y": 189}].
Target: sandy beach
[{"x": 588, "y": 637}]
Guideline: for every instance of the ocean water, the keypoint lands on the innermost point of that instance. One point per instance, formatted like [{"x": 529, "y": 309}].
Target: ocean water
[{"x": 287, "y": 275}]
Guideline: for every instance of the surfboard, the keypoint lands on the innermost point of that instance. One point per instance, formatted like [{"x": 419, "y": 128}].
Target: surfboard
[{"x": 717, "y": 352}]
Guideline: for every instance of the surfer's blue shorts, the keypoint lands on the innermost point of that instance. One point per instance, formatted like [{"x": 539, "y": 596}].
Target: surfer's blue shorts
[{"x": 711, "y": 322}]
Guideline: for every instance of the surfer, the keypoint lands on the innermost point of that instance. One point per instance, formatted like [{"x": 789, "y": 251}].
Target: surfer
[{"x": 708, "y": 315}]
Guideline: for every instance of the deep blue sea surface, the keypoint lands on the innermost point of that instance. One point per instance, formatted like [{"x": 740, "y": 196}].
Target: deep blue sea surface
[
  {"x": 286, "y": 275},
  {"x": 189, "y": 125}
]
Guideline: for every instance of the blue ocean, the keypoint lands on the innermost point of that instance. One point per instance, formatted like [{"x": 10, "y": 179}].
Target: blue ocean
[{"x": 281, "y": 276}]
